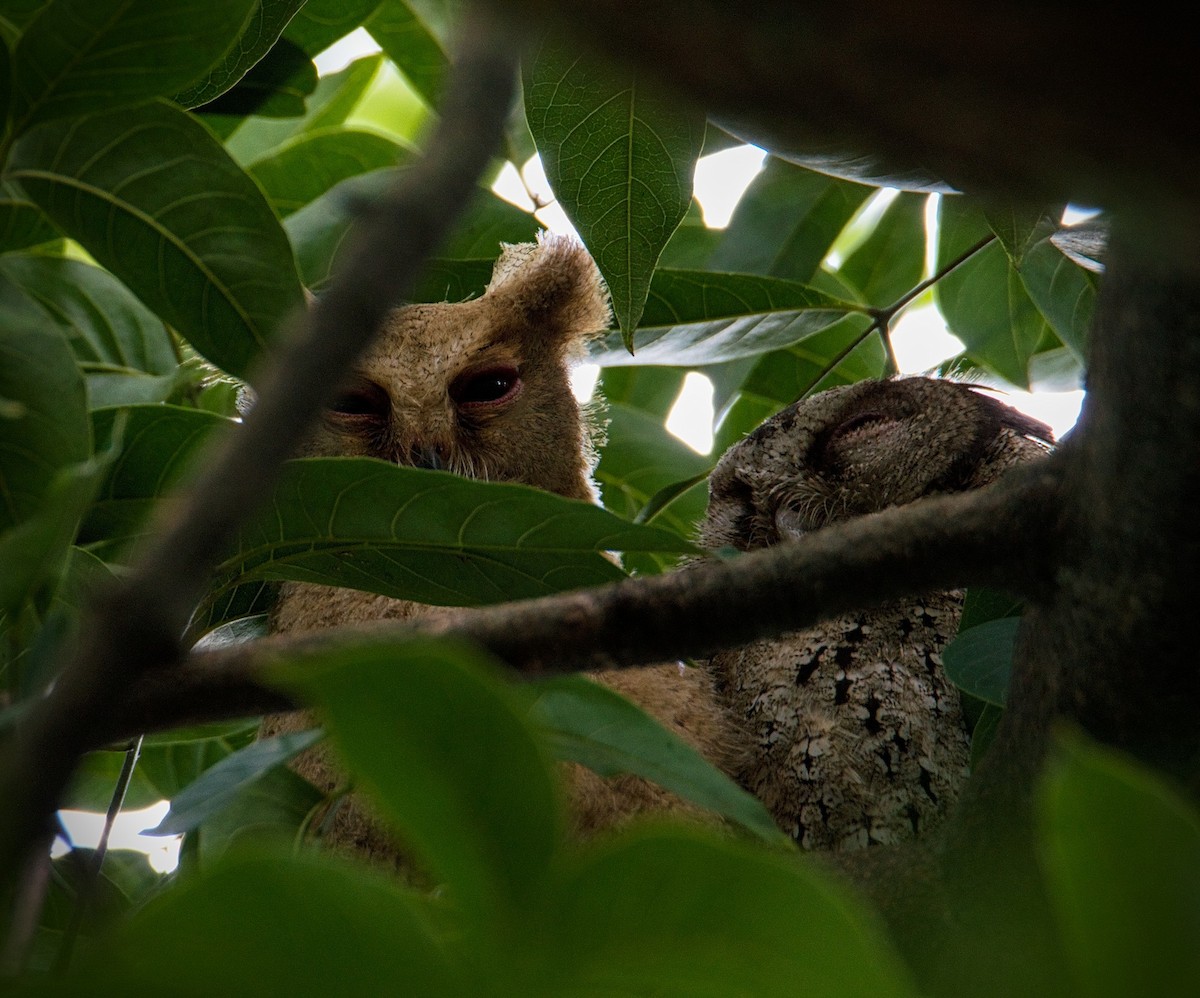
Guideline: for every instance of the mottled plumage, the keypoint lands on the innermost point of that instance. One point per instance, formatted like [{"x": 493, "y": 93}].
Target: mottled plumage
[{"x": 856, "y": 735}]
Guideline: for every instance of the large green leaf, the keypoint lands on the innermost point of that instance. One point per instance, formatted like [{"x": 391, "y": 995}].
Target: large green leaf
[
  {"x": 984, "y": 299},
  {"x": 266, "y": 24},
  {"x": 428, "y": 536},
  {"x": 125, "y": 184},
  {"x": 158, "y": 444},
  {"x": 43, "y": 424},
  {"x": 301, "y": 170},
  {"x": 272, "y": 923},
  {"x": 1063, "y": 291},
  {"x": 620, "y": 158},
  {"x": 408, "y": 37},
  {"x": 121, "y": 346},
  {"x": 277, "y": 86},
  {"x": 21, "y": 223},
  {"x": 684, "y": 914},
  {"x": 786, "y": 222},
  {"x": 446, "y": 749},
  {"x": 586, "y": 722},
  {"x": 79, "y": 56},
  {"x": 891, "y": 260},
  {"x": 1121, "y": 851},
  {"x": 695, "y": 317}
]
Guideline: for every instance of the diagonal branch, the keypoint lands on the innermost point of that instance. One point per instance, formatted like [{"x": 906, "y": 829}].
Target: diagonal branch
[
  {"x": 1005, "y": 536},
  {"x": 134, "y": 629}
]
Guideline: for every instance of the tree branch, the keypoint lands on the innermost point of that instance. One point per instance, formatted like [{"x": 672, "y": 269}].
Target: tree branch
[
  {"x": 1004, "y": 536},
  {"x": 135, "y": 627}
]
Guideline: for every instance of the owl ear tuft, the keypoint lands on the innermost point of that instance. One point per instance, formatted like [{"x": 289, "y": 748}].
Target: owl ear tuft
[{"x": 554, "y": 285}]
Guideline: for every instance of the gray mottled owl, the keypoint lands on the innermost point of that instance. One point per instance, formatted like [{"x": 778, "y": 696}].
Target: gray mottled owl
[{"x": 857, "y": 737}]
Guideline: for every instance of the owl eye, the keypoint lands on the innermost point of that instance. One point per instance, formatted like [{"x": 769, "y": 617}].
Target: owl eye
[
  {"x": 362, "y": 401},
  {"x": 492, "y": 387}
]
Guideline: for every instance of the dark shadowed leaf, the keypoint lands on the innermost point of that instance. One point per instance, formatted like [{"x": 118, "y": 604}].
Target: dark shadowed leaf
[
  {"x": 428, "y": 536},
  {"x": 269, "y": 19},
  {"x": 218, "y": 268},
  {"x": 445, "y": 747},
  {"x": 77, "y": 56},
  {"x": 979, "y": 660},
  {"x": 1121, "y": 851},
  {"x": 586, "y": 722},
  {"x": 274, "y": 87},
  {"x": 1063, "y": 291},
  {"x": 696, "y": 317},
  {"x": 22, "y": 223},
  {"x": 411, "y": 39},
  {"x": 681, "y": 913},
  {"x": 287, "y": 924},
  {"x": 620, "y": 158},
  {"x": 320, "y": 23}
]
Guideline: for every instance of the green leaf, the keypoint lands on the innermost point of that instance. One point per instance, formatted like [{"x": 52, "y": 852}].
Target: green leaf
[
  {"x": 410, "y": 41},
  {"x": 588, "y": 723},
  {"x": 218, "y": 268},
  {"x": 318, "y": 230},
  {"x": 222, "y": 933},
  {"x": 680, "y": 913},
  {"x": 158, "y": 445},
  {"x": 428, "y": 536},
  {"x": 639, "y": 461},
  {"x": 220, "y": 784},
  {"x": 44, "y": 428},
  {"x": 1064, "y": 292},
  {"x": 274, "y": 87},
  {"x": 979, "y": 660},
  {"x": 786, "y": 221},
  {"x": 984, "y": 301},
  {"x": 1121, "y": 851},
  {"x": 168, "y": 762},
  {"x": 620, "y": 158},
  {"x": 267, "y": 22},
  {"x": 320, "y": 23},
  {"x": 891, "y": 260},
  {"x": 105, "y": 325},
  {"x": 78, "y": 56},
  {"x": 983, "y": 604},
  {"x": 695, "y": 318},
  {"x": 21, "y": 222},
  {"x": 301, "y": 170},
  {"x": 445, "y": 747}
]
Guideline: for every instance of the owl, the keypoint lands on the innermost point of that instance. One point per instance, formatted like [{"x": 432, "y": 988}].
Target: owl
[{"x": 855, "y": 735}]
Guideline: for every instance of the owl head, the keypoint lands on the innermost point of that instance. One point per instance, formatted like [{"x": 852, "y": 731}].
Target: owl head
[
  {"x": 481, "y": 387},
  {"x": 859, "y": 449}
]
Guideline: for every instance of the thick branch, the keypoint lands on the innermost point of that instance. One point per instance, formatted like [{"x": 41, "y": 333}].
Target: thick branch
[
  {"x": 135, "y": 627},
  {"x": 1005, "y": 536}
]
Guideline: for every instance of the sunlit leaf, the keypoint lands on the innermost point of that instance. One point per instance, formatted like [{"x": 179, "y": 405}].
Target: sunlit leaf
[
  {"x": 694, "y": 318},
  {"x": 404, "y": 32},
  {"x": 620, "y": 158},
  {"x": 1121, "y": 850},
  {"x": 301, "y": 170},
  {"x": 1063, "y": 291},
  {"x": 786, "y": 221},
  {"x": 77, "y": 56},
  {"x": 891, "y": 260},
  {"x": 217, "y": 268}
]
